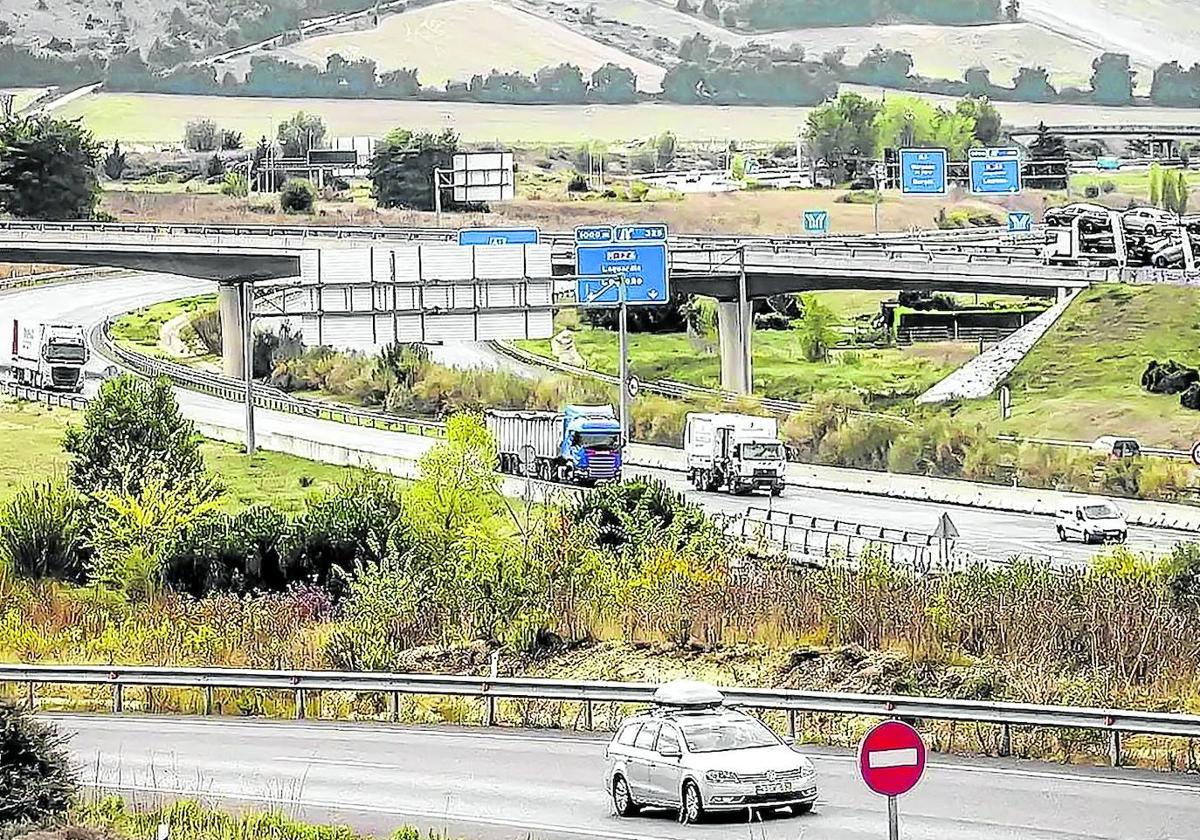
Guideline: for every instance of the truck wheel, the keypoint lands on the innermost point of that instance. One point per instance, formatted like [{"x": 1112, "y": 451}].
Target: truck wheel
[{"x": 777, "y": 491}]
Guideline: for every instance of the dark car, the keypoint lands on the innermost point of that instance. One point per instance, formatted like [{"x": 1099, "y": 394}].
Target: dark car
[{"x": 1092, "y": 216}]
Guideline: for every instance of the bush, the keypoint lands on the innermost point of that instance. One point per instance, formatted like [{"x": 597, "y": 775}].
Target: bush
[
  {"x": 37, "y": 782},
  {"x": 133, "y": 435},
  {"x": 43, "y": 532},
  {"x": 623, "y": 511},
  {"x": 206, "y": 325},
  {"x": 1091, "y": 191},
  {"x": 298, "y": 196},
  {"x": 577, "y": 184},
  {"x": 235, "y": 185},
  {"x": 1108, "y": 187},
  {"x": 238, "y": 553},
  {"x": 638, "y": 191},
  {"x": 201, "y": 136}
]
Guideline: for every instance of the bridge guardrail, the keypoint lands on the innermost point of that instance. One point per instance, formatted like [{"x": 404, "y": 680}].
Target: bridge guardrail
[
  {"x": 807, "y": 537},
  {"x": 51, "y": 398},
  {"x": 1114, "y": 722}
]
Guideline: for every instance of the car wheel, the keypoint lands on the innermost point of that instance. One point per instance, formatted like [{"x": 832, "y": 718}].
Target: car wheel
[
  {"x": 693, "y": 807},
  {"x": 1151, "y": 230},
  {"x": 1124, "y": 536},
  {"x": 802, "y": 808},
  {"x": 1062, "y": 535},
  {"x": 622, "y": 799}
]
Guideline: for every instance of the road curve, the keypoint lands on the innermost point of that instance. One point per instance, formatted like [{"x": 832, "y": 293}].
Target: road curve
[
  {"x": 513, "y": 784},
  {"x": 995, "y": 535}
]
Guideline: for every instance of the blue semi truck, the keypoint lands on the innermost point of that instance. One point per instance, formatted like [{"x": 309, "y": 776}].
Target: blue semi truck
[{"x": 579, "y": 445}]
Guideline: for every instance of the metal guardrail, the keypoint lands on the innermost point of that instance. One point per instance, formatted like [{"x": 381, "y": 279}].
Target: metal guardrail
[
  {"x": 1115, "y": 722},
  {"x": 272, "y": 399},
  {"x": 808, "y": 538},
  {"x": 51, "y": 398},
  {"x": 912, "y": 335}
]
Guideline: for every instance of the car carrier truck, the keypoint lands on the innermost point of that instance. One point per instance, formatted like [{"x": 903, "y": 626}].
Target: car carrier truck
[
  {"x": 737, "y": 453},
  {"x": 581, "y": 444},
  {"x": 48, "y": 356}
]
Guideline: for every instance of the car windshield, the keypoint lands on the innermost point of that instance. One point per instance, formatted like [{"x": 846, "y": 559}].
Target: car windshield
[
  {"x": 762, "y": 451},
  {"x": 597, "y": 440},
  {"x": 727, "y": 734},
  {"x": 1099, "y": 512},
  {"x": 56, "y": 352}
]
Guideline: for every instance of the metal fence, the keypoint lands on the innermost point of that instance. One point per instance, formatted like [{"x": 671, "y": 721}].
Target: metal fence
[
  {"x": 814, "y": 539},
  {"x": 52, "y": 398},
  {"x": 1114, "y": 722}
]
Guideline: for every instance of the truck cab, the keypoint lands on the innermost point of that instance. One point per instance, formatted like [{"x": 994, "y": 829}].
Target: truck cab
[
  {"x": 738, "y": 453},
  {"x": 591, "y": 443}
]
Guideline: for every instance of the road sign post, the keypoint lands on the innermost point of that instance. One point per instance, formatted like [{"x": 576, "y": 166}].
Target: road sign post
[
  {"x": 620, "y": 267},
  {"x": 923, "y": 171},
  {"x": 891, "y": 760},
  {"x": 995, "y": 171}
]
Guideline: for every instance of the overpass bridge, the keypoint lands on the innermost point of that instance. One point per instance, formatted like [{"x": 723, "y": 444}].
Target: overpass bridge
[{"x": 386, "y": 283}]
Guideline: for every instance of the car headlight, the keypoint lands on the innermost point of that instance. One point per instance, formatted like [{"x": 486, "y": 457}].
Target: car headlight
[{"x": 722, "y": 776}]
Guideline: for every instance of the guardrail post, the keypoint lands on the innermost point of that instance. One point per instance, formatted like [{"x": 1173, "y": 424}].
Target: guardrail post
[
  {"x": 118, "y": 698},
  {"x": 30, "y": 701},
  {"x": 208, "y": 700},
  {"x": 1005, "y": 741},
  {"x": 791, "y": 723},
  {"x": 489, "y": 711},
  {"x": 1114, "y": 748},
  {"x": 299, "y": 704},
  {"x": 394, "y": 703},
  {"x": 587, "y": 715}
]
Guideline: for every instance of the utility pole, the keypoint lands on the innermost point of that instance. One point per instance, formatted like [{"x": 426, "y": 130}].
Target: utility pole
[{"x": 248, "y": 360}]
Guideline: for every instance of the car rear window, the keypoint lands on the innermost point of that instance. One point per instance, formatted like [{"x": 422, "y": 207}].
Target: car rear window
[{"x": 645, "y": 738}]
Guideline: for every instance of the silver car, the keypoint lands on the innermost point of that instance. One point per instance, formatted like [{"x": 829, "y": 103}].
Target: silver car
[{"x": 693, "y": 754}]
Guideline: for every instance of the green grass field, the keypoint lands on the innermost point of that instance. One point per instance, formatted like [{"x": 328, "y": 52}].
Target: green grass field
[
  {"x": 31, "y": 449},
  {"x": 1083, "y": 380},
  {"x": 141, "y": 328}
]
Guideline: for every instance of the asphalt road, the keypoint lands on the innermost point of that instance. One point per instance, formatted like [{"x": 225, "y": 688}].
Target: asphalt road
[
  {"x": 991, "y": 534},
  {"x": 511, "y": 785}
]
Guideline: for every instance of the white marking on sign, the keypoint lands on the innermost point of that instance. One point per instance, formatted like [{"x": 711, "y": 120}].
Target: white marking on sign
[{"x": 892, "y": 758}]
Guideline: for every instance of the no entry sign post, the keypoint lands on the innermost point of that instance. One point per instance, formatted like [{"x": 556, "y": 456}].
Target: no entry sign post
[{"x": 891, "y": 760}]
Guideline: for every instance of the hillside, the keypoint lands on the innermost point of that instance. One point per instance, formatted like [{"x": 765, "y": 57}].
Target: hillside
[
  {"x": 447, "y": 42},
  {"x": 1151, "y": 31}
]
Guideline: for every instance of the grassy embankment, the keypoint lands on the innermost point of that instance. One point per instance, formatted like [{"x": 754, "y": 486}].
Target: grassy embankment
[
  {"x": 31, "y": 448},
  {"x": 141, "y": 330},
  {"x": 1083, "y": 379}
]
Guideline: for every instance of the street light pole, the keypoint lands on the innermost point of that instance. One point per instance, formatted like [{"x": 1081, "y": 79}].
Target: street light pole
[
  {"x": 623, "y": 362},
  {"x": 248, "y": 360}
]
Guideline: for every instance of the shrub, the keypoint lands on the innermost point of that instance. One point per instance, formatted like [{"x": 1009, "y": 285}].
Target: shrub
[
  {"x": 206, "y": 324},
  {"x": 238, "y": 553},
  {"x": 1091, "y": 191},
  {"x": 622, "y": 511},
  {"x": 577, "y": 184},
  {"x": 1108, "y": 187},
  {"x": 43, "y": 532},
  {"x": 201, "y": 136},
  {"x": 214, "y": 167},
  {"x": 298, "y": 196},
  {"x": 133, "y": 435},
  {"x": 638, "y": 191},
  {"x": 235, "y": 185},
  {"x": 36, "y": 779}
]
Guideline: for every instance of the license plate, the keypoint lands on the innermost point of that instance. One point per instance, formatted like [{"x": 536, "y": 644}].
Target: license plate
[{"x": 772, "y": 787}]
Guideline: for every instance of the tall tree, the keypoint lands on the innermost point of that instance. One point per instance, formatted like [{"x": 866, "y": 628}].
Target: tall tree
[
  {"x": 987, "y": 119},
  {"x": 48, "y": 168},
  {"x": 842, "y": 130},
  {"x": 402, "y": 167},
  {"x": 1032, "y": 84},
  {"x": 613, "y": 84},
  {"x": 1012, "y": 11},
  {"x": 1112, "y": 79},
  {"x": 300, "y": 133},
  {"x": 114, "y": 162}
]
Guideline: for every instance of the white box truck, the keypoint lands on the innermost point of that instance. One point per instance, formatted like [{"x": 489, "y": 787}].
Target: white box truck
[
  {"x": 580, "y": 444},
  {"x": 49, "y": 356},
  {"x": 737, "y": 453}
]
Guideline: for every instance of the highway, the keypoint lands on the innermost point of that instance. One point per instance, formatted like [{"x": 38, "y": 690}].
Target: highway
[
  {"x": 995, "y": 535},
  {"x": 513, "y": 784}
]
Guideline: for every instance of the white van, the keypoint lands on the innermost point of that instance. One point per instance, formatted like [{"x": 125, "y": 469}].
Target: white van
[{"x": 1092, "y": 521}]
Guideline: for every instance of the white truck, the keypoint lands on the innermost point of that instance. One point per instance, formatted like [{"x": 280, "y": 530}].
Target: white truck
[
  {"x": 49, "y": 356},
  {"x": 737, "y": 453}
]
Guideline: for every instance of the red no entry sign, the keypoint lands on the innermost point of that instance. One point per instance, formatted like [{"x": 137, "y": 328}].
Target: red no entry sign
[{"x": 892, "y": 758}]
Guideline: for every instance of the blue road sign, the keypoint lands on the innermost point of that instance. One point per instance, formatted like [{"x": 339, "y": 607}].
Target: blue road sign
[
  {"x": 498, "y": 236},
  {"x": 634, "y": 259},
  {"x": 816, "y": 221},
  {"x": 1020, "y": 222},
  {"x": 995, "y": 171},
  {"x": 923, "y": 171}
]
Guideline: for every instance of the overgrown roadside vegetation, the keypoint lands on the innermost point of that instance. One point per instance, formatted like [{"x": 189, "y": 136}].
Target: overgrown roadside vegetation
[{"x": 130, "y": 561}]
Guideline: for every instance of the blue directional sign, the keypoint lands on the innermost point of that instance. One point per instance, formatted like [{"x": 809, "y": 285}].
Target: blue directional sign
[
  {"x": 498, "y": 236},
  {"x": 631, "y": 261},
  {"x": 923, "y": 171},
  {"x": 1020, "y": 222},
  {"x": 995, "y": 171},
  {"x": 816, "y": 221}
]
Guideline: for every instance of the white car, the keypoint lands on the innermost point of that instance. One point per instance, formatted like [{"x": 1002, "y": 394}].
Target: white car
[
  {"x": 1149, "y": 221},
  {"x": 694, "y": 754},
  {"x": 1092, "y": 521}
]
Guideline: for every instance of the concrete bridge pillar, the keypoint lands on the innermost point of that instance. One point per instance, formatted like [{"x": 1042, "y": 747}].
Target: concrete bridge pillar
[
  {"x": 734, "y": 328},
  {"x": 1063, "y": 294},
  {"x": 233, "y": 351}
]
